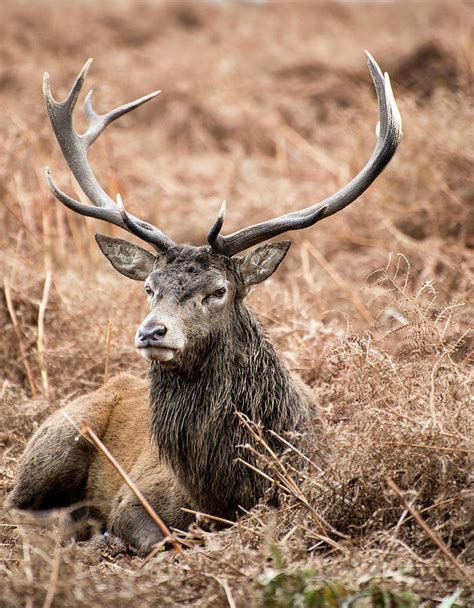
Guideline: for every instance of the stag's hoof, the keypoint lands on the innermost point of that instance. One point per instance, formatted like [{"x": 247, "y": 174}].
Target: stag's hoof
[{"x": 110, "y": 545}]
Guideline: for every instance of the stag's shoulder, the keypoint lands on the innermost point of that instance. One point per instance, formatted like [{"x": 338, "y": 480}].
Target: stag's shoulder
[
  {"x": 121, "y": 392},
  {"x": 123, "y": 383},
  {"x": 113, "y": 391}
]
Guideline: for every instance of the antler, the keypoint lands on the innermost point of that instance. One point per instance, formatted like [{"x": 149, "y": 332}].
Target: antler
[
  {"x": 389, "y": 134},
  {"x": 75, "y": 147}
]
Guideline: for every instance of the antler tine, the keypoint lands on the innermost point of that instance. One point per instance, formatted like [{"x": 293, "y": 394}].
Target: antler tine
[
  {"x": 75, "y": 146},
  {"x": 135, "y": 227},
  {"x": 100, "y": 213},
  {"x": 388, "y": 138},
  {"x": 217, "y": 226},
  {"x": 98, "y": 122}
]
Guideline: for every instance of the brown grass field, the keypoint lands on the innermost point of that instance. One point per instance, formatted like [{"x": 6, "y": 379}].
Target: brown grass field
[{"x": 269, "y": 106}]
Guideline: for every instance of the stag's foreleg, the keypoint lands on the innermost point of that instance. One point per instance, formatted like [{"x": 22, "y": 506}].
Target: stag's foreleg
[{"x": 128, "y": 519}]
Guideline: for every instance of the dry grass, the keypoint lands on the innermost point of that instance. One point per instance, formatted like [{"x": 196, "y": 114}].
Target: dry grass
[{"x": 269, "y": 107}]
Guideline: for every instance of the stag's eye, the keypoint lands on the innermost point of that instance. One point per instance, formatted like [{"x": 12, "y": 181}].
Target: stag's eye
[
  {"x": 148, "y": 290},
  {"x": 218, "y": 294}
]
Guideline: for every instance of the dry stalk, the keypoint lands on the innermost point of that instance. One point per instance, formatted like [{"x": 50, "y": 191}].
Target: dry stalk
[
  {"x": 340, "y": 282},
  {"x": 27, "y": 562},
  {"x": 108, "y": 338},
  {"x": 259, "y": 471},
  {"x": 76, "y": 238},
  {"x": 320, "y": 522},
  {"x": 282, "y": 155},
  {"x": 295, "y": 450},
  {"x": 16, "y": 327},
  {"x": 227, "y": 590},
  {"x": 258, "y": 437},
  {"x": 213, "y": 558},
  {"x": 435, "y": 505},
  {"x": 60, "y": 238},
  {"x": 53, "y": 579},
  {"x": 86, "y": 429},
  {"x": 287, "y": 483},
  {"x": 46, "y": 226},
  {"x": 40, "y": 340},
  {"x": 307, "y": 272},
  {"x": 222, "y": 520},
  {"x": 428, "y": 531},
  {"x": 13, "y": 212}
]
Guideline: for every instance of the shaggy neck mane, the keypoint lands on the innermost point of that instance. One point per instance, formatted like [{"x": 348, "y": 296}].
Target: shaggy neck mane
[{"x": 194, "y": 412}]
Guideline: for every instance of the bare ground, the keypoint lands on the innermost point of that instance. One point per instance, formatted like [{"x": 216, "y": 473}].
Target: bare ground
[{"x": 271, "y": 108}]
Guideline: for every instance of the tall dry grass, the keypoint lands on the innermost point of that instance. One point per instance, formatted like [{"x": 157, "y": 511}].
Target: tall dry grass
[{"x": 270, "y": 107}]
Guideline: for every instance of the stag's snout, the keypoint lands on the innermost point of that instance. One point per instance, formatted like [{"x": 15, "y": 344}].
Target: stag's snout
[
  {"x": 151, "y": 336},
  {"x": 158, "y": 340}
]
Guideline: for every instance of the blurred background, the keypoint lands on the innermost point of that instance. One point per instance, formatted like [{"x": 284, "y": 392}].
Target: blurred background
[
  {"x": 267, "y": 105},
  {"x": 270, "y": 106}
]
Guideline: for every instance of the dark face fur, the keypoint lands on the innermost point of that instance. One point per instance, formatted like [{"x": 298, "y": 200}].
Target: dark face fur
[{"x": 191, "y": 291}]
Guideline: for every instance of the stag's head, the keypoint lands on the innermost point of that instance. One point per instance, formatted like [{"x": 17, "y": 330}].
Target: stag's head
[{"x": 192, "y": 291}]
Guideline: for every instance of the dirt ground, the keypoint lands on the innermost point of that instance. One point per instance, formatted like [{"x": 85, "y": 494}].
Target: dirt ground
[{"x": 269, "y": 106}]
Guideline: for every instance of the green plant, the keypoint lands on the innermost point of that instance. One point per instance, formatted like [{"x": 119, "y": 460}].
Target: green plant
[{"x": 302, "y": 588}]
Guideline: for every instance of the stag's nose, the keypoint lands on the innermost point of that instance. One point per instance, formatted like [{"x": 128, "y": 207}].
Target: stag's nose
[{"x": 151, "y": 335}]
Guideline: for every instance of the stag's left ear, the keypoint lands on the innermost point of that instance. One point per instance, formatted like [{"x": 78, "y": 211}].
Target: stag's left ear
[{"x": 261, "y": 263}]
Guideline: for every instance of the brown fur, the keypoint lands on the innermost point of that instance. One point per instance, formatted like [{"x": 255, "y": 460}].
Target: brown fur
[{"x": 59, "y": 467}]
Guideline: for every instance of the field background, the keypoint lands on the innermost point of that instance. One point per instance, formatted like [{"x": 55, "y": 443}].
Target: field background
[{"x": 269, "y": 106}]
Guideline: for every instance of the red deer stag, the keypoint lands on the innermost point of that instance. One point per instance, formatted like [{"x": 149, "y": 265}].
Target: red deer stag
[{"x": 177, "y": 434}]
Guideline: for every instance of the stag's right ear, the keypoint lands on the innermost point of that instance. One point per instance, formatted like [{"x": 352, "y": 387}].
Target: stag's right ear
[{"x": 130, "y": 260}]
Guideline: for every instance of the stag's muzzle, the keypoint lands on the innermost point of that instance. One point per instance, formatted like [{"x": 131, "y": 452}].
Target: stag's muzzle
[{"x": 158, "y": 340}]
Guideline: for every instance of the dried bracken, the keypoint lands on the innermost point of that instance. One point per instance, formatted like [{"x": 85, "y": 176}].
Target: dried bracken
[{"x": 256, "y": 100}]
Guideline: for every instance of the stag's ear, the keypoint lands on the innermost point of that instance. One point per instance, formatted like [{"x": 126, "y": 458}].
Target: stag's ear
[
  {"x": 261, "y": 263},
  {"x": 130, "y": 260}
]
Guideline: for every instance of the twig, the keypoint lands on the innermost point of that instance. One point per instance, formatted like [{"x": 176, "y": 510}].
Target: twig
[
  {"x": 408, "y": 549},
  {"x": 305, "y": 264},
  {"x": 435, "y": 505},
  {"x": 303, "y": 501},
  {"x": 424, "y": 526},
  {"x": 336, "y": 277},
  {"x": 16, "y": 327},
  {"x": 77, "y": 427},
  {"x": 222, "y": 520},
  {"x": 228, "y": 593},
  {"x": 40, "y": 340},
  {"x": 214, "y": 558},
  {"x": 146, "y": 505},
  {"x": 261, "y": 473},
  {"x": 108, "y": 337},
  {"x": 295, "y": 449},
  {"x": 287, "y": 481}
]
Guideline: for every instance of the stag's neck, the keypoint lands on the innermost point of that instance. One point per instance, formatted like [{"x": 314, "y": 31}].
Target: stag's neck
[{"x": 194, "y": 411}]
